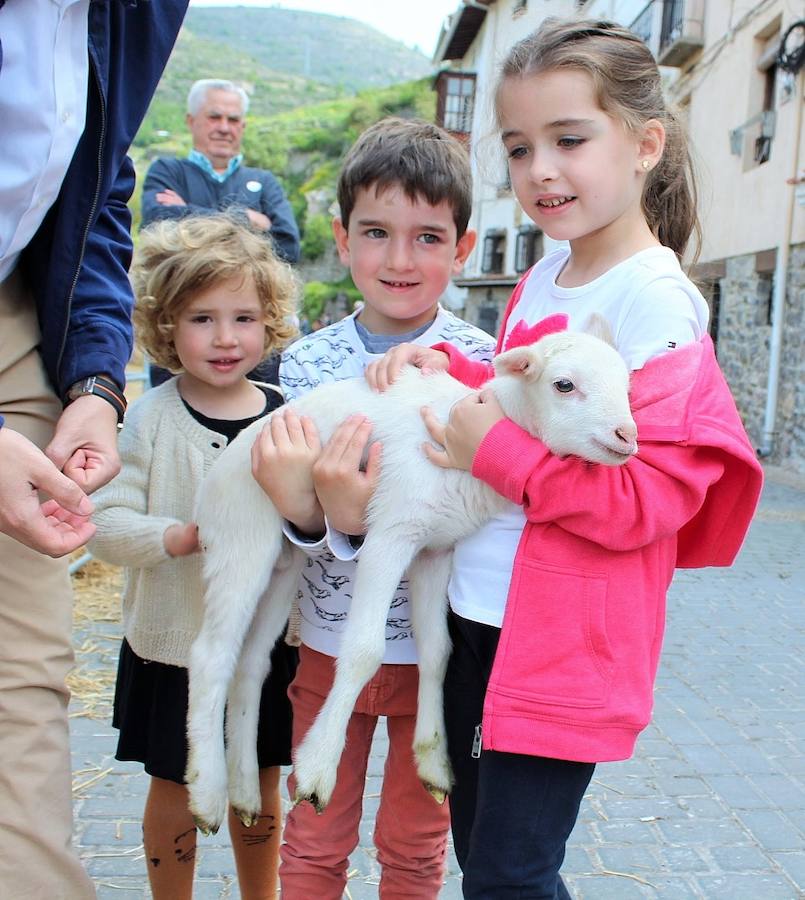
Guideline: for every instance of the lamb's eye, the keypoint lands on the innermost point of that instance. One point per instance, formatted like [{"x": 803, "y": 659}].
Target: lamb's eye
[{"x": 563, "y": 385}]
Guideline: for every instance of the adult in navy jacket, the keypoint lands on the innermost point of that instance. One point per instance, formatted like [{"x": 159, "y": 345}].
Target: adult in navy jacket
[
  {"x": 65, "y": 338},
  {"x": 213, "y": 179}
]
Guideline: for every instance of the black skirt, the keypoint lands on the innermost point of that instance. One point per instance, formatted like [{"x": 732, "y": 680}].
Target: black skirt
[{"x": 150, "y": 711}]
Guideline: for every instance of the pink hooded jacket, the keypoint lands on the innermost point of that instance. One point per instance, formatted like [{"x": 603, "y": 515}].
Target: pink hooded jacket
[{"x": 574, "y": 672}]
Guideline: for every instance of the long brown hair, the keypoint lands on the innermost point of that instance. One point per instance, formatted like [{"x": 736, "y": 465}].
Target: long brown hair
[{"x": 628, "y": 86}]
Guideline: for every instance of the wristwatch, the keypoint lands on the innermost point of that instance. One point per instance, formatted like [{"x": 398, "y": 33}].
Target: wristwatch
[{"x": 101, "y": 387}]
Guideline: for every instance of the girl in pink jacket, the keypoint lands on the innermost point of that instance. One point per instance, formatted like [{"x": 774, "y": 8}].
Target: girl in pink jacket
[{"x": 558, "y": 605}]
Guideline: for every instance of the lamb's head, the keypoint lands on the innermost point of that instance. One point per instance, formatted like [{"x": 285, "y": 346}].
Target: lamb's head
[{"x": 571, "y": 390}]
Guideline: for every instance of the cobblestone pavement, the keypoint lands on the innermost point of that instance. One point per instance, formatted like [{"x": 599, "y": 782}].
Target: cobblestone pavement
[{"x": 711, "y": 806}]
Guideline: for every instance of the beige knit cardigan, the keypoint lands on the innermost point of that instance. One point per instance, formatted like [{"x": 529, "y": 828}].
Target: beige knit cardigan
[{"x": 164, "y": 453}]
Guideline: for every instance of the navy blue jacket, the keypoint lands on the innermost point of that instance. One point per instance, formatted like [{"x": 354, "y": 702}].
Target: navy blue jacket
[
  {"x": 246, "y": 188},
  {"x": 77, "y": 263}
]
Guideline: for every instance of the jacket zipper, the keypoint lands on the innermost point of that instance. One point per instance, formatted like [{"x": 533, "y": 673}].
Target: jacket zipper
[
  {"x": 94, "y": 206},
  {"x": 476, "y": 743}
]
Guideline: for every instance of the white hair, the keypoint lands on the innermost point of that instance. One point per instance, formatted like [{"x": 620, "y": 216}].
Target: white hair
[{"x": 198, "y": 93}]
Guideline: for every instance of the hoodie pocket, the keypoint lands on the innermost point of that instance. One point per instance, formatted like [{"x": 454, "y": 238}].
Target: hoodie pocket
[{"x": 554, "y": 647}]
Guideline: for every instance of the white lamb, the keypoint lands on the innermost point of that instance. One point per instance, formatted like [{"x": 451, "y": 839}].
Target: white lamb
[{"x": 570, "y": 389}]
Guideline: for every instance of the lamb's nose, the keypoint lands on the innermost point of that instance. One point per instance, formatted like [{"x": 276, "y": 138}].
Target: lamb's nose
[{"x": 627, "y": 434}]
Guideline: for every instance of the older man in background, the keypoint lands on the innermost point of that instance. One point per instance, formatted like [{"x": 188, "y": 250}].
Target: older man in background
[{"x": 213, "y": 178}]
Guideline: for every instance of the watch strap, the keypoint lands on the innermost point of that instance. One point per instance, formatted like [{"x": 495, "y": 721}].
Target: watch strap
[{"x": 100, "y": 387}]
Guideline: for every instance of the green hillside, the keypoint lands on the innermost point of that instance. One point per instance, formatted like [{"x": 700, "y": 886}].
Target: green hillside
[
  {"x": 284, "y": 58},
  {"x": 330, "y": 49},
  {"x": 197, "y": 57}
]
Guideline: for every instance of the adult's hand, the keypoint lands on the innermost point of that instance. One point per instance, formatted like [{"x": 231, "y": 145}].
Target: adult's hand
[
  {"x": 59, "y": 525},
  {"x": 383, "y": 373},
  {"x": 169, "y": 198},
  {"x": 84, "y": 445}
]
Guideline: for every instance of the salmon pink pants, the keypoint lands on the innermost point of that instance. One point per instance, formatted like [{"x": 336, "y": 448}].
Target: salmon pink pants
[{"x": 410, "y": 831}]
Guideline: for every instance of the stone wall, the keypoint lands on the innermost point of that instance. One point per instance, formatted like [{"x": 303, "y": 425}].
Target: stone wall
[
  {"x": 743, "y": 339},
  {"x": 790, "y": 448},
  {"x": 744, "y": 334},
  {"x": 485, "y": 306}
]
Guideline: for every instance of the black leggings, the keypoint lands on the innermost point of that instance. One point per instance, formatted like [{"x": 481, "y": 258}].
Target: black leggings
[{"x": 511, "y": 814}]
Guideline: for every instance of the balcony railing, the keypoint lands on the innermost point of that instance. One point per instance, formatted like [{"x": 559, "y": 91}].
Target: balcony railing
[
  {"x": 682, "y": 31},
  {"x": 642, "y": 24},
  {"x": 672, "y": 18},
  {"x": 673, "y": 29}
]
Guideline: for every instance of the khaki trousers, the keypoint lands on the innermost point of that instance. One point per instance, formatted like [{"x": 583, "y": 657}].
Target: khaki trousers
[{"x": 37, "y": 859}]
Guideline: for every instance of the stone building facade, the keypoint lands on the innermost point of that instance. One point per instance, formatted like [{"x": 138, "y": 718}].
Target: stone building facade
[{"x": 743, "y": 340}]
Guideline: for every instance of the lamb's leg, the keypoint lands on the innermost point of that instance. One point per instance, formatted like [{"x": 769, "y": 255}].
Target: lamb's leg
[
  {"x": 235, "y": 583},
  {"x": 382, "y": 563},
  {"x": 243, "y": 704},
  {"x": 427, "y": 578}
]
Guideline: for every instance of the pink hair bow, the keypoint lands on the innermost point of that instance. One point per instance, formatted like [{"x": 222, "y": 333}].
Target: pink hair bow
[{"x": 521, "y": 335}]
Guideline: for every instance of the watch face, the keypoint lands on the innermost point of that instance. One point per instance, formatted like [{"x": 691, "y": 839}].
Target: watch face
[{"x": 82, "y": 387}]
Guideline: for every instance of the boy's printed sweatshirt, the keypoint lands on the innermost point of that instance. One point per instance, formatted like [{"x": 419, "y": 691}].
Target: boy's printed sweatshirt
[{"x": 324, "y": 590}]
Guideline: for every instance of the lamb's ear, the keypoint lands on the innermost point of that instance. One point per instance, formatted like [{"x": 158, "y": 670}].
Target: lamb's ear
[
  {"x": 524, "y": 362},
  {"x": 597, "y": 326}
]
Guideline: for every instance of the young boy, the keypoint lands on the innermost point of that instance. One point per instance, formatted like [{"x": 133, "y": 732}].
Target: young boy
[{"x": 404, "y": 196}]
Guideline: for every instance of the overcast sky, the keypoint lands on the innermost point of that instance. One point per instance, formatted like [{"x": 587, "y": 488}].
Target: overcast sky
[{"x": 414, "y": 22}]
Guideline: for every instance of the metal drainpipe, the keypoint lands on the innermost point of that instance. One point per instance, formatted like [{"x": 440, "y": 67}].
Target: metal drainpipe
[{"x": 780, "y": 283}]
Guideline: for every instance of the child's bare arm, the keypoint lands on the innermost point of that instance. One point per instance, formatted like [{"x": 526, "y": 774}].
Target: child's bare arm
[
  {"x": 343, "y": 488},
  {"x": 282, "y": 464}
]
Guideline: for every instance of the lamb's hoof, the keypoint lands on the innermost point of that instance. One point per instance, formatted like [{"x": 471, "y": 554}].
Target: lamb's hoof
[
  {"x": 314, "y": 772},
  {"x": 248, "y": 818},
  {"x": 433, "y": 768},
  {"x": 244, "y": 797},
  {"x": 205, "y": 827},
  {"x": 313, "y": 799},
  {"x": 207, "y": 807},
  {"x": 439, "y": 794}
]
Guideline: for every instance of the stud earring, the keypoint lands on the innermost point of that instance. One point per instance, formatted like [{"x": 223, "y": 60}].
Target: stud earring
[{"x": 646, "y": 165}]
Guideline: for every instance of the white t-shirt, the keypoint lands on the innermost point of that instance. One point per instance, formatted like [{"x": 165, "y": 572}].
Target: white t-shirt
[
  {"x": 43, "y": 106},
  {"x": 652, "y": 308},
  {"x": 325, "y": 585}
]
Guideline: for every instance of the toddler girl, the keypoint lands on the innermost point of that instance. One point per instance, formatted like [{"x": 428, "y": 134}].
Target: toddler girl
[{"x": 212, "y": 301}]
